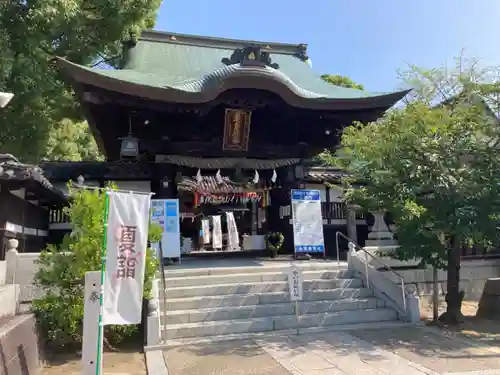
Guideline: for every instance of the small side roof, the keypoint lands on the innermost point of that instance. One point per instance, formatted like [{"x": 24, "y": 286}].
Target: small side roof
[
  {"x": 193, "y": 69},
  {"x": 15, "y": 175}
]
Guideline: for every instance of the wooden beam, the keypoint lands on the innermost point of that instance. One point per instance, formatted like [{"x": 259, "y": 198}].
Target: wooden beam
[{"x": 214, "y": 149}]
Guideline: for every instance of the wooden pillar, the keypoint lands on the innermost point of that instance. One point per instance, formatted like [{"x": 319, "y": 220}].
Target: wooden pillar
[
  {"x": 255, "y": 217},
  {"x": 351, "y": 222},
  {"x": 327, "y": 204}
]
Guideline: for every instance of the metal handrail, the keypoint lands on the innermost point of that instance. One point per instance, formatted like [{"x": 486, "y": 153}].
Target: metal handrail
[
  {"x": 389, "y": 268},
  {"x": 163, "y": 295}
]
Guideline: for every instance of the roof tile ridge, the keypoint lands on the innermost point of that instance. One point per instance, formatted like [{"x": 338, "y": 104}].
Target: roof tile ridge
[{"x": 221, "y": 43}]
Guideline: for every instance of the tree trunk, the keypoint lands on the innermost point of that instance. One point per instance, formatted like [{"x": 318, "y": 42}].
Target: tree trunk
[
  {"x": 435, "y": 294},
  {"x": 454, "y": 295}
]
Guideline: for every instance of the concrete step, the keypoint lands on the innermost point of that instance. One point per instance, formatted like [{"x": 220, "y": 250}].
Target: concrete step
[
  {"x": 202, "y": 302},
  {"x": 244, "y": 326},
  {"x": 187, "y": 271},
  {"x": 391, "y": 324},
  {"x": 258, "y": 287},
  {"x": 276, "y": 309},
  {"x": 254, "y": 277}
]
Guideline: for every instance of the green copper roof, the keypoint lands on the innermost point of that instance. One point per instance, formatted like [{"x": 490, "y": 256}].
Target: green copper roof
[
  {"x": 193, "y": 65},
  {"x": 178, "y": 63}
]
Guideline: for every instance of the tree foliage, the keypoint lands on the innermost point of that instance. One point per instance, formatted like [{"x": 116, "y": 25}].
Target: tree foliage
[
  {"x": 62, "y": 271},
  {"x": 32, "y": 33},
  {"x": 434, "y": 167},
  {"x": 343, "y": 81},
  {"x": 328, "y": 157},
  {"x": 71, "y": 141}
]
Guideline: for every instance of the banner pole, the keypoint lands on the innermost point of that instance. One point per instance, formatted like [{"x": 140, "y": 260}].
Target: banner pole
[
  {"x": 100, "y": 327},
  {"x": 298, "y": 315}
]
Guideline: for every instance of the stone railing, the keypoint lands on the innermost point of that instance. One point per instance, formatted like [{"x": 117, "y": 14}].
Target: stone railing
[
  {"x": 153, "y": 324},
  {"x": 21, "y": 268},
  {"x": 392, "y": 290}
]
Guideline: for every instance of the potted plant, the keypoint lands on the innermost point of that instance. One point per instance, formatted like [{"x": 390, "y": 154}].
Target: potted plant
[{"x": 275, "y": 242}]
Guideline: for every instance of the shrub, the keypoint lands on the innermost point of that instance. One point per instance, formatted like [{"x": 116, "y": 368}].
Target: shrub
[{"x": 61, "y": 276}]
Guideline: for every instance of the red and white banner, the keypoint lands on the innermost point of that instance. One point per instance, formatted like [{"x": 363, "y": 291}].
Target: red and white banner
[{"x": 127, "y": 235}]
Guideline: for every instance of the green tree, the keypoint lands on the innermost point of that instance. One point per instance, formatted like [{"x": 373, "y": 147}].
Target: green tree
[
  {"x": 343, "y": 81},
  {"x": 71, "y": 141},
  {"x": 328, "y": 157},
  {"x": 59, "y": 311},
  {"x": 435, "y": 168},
  {"x": 32, "y": 33}
]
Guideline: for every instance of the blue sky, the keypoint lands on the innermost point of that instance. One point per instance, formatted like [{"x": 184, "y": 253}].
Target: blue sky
[{"x": 367, "y": 40}]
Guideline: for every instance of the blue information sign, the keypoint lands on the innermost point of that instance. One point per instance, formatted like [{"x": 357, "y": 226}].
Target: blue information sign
[
  {"x": 307, "y": 221},
  {"x": 165, "y": 213}
]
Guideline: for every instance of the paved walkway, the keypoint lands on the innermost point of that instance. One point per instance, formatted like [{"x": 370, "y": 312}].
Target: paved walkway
[{"x": 398, "y": 351}]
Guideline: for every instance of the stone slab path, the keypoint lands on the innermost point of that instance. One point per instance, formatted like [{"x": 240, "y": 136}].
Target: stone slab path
[
  {"x": 222, "y": 358},
  {"x": 398, "y": 351}
]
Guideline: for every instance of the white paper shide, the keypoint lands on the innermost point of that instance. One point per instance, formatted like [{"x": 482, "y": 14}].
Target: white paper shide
[
  {"x": 232, "y": 231},
  {"x": 127, "y": 234},
  {"x": 217, "y": 232},
  {"x": 295, "y": 283}
]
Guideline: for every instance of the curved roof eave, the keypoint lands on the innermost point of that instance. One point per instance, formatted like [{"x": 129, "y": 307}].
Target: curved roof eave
[{"x": 210, "y": 86}]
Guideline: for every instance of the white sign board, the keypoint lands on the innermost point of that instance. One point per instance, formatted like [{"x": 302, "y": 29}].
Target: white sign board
[
  {"x": 307, "y": 221},
  {"x": 296, "y": 284},
  {"x": 165, "y": 213}
]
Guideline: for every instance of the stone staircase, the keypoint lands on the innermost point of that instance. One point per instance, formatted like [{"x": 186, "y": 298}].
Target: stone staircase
[{"x": 221, "y": 302}]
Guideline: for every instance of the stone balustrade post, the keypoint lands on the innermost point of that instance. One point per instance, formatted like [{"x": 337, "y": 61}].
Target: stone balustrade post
[
  {"x": 154, "y": 316},
  {"x": 350, "y": 254},
  {"x": 11, "y": 259},
  {"x": 412, "y": 304}
]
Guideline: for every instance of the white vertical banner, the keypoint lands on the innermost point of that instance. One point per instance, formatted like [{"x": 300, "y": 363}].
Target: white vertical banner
[
  {"x": 91, "y": 309},
  {"x": 217, "y": 232},
  {"x": 295, "y": 283},
  {"x": 127, "y": 236},
  {"x": 232, "y": 232},
  {"x": 205, "y": 228}
]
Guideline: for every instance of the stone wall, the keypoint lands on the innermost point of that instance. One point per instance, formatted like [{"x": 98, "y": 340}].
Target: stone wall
[
  {"x": 473, "y": 275},
  {"x": 19, "y": 346}
]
